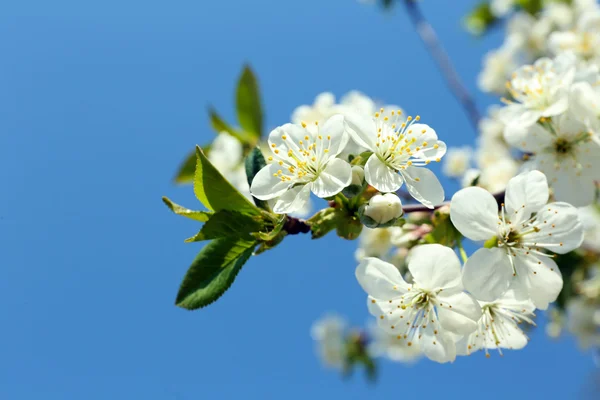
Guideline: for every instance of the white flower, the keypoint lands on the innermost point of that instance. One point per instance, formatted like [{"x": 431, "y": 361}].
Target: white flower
[
  {"x": 530, "y": 34},
  {"x": 383, "y": 208},
  {"x": 584, "y": 103},
  {"x": 470, "y": 177},
  {"x": 500, "y": 8},
  {"x": 322, "y": 109},
  {"x": 375, "y": 242},
  {"x": 409, "y": 233},
  {"x": 226, "y": 154},
  {"x": 590, "y": 287},
  {"x": 584, "y": 40},
  {"x": 566, "y": 152},
  {"x": 303, "y": 161},
  {"x": 330, "y": 333},
  {"x": 539, "y": 90},
  {"x": 525, "y": 227},
  {"x": 583, "y": 321},
  {"x": 384, "y": 344},
  {"x": 426, "y": 312},
  {"x": 498, "y": 65},
  {"x": 399, "y": 149},
  {"x": 491, "y": 127},
  {"x": 457, "y": 161},
  {"x": 590, "y": 218},
  {"x": 498, "y": 326},
  {"x": 494, "y": 177}
]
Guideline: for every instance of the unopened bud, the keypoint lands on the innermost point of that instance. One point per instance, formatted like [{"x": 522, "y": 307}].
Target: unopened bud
[
  {"x": 358, "y": 175},
  {"x": 382, "y": 210}
]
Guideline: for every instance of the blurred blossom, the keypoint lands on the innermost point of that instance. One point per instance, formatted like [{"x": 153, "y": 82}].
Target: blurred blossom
[
  {"x": 583, "y": 321},
  {"x": 457, "y": 161},
  {"x": 226, "y": 154},
  {"x": 329, "y": 333},
  {"x": 383, "y": 344},
  {"x": 375, "y": 242}
]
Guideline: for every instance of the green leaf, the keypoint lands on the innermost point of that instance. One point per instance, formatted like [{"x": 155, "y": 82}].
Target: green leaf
[
  {"x": 212, "y": 190},
  {"x": 201, "y": 216},
  {"x": 480, "y": 19},
  {"x": 254, "y": 162},
  {"x": 249, "y": 109},
  {"x": 213, "y": 271},
  {"x": 218, "y": 123},
  {"x": 227, "y": 223}
]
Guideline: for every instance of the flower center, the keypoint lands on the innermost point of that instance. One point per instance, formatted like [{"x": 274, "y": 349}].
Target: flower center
[
  {"x": 397, "y": 143},
  {"x": 305, "y": 158}
]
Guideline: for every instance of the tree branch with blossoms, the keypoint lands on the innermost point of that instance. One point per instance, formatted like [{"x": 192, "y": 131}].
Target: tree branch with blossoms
[{"x": 533, "y": 246}]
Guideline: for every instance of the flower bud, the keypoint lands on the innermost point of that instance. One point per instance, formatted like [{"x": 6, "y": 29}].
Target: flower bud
[
  {"x": 381, "y": 211},
  {"x": 358, "y": 175}
]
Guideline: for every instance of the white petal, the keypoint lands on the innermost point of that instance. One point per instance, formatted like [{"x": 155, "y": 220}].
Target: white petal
[
  {"x": 474, "y": 212},
  {"x": 382, "y": 177},
  {"x": 424, "y": 186},
  {"x": 334, "y": 127},
  {"x": 560, "y": 229},
  {"x": 530, "y": 139},
  {"x": 440, "y": 347},
  {"x": 362, "y": 129},
  {"x": 336, "y": 176},
  {"x": 559, "y": 106},
  {"x": 293, "y": 135},
  {"x": 487, "y": 273},
  {"x": 293, "y": 200},
  {"x": 569, "y": 187},
  {"x": 434, "y": 266},
  {"x": 512, "y": 337},
  {"x": 380, "y": 279},
  {"x": 541, "y": 277},
  {"x": 528, "y": 118},
  {"x": 463, "y": 316},
  {"x": 266, "y": 185},
  {"x": 526, "y": 193}
]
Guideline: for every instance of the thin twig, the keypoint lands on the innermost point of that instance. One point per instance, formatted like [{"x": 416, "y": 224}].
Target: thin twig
[{"x": 444, "y": 64}]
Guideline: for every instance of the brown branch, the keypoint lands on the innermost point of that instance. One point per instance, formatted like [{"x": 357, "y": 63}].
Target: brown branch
[
  {"x": 443, "y": 62},
  {"x": 294, "y": 226},
  {"x": 421, "y": 208}
]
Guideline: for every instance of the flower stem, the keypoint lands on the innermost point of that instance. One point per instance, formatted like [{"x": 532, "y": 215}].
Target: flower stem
[
  {"x": 444, "y": 64},
  {"x": 461, "y": 250}
]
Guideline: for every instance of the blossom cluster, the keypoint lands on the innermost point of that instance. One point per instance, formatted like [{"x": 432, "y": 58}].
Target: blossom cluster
[{"x": 528, "y": 200}]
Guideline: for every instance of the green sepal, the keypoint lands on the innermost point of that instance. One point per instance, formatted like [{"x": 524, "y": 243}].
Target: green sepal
[
  {"x": 271, "y": 235},
  {"x": 215, "y": 192},
  {"x": 231, "y": 224},
  {"x": 213, "y": 271},
  {"x": 349, "y": 227},
  {"x": 269, "y": 244},
  {"x": 444, "y": 232},
  {"x": 201, "y": 216},
  {"x": 249, "y": 109},
  {"x": 324, "y": 222},
  {"x": 491, "y": 243}
]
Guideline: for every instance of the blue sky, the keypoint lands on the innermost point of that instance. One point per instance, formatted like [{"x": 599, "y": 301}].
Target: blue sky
[{"x": 100, "y": 101}]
